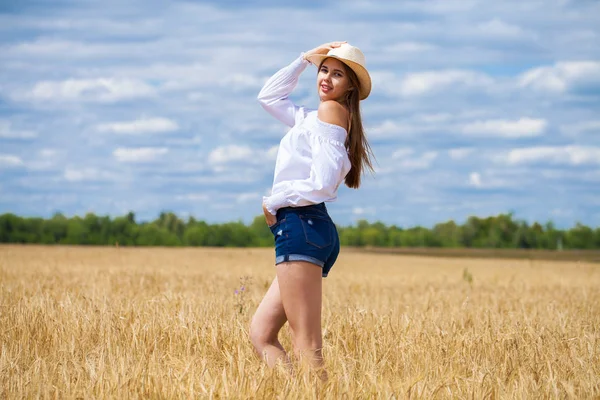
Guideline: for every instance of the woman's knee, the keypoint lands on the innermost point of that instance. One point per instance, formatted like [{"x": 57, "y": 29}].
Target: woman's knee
[
  {"x": 259, "y": 336},
  {"x": 255, "y": 334}
]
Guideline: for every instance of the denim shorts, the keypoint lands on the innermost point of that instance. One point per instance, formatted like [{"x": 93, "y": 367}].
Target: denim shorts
[{"x": 306, "y": 234}]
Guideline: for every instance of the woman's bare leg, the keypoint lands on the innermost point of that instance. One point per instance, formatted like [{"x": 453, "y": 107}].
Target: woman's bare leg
[
  {"x": 300, "y": 285},
  {"x": 266, "y": 324}
]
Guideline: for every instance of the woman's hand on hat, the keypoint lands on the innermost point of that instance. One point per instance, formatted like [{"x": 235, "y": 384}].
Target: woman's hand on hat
[{"x": 324, "y": 48}]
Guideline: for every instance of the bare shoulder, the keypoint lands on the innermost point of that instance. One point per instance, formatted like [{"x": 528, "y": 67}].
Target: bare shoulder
[{"x": 332, "y": 112}]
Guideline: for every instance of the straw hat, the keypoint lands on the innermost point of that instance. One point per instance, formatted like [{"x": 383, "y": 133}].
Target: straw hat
[{"x": 353, "y": 58}]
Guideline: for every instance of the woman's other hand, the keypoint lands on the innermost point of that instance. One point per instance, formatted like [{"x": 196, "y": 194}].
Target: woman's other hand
[
  {"x": 324, "y": 48},
  {"x": 270, "y": 218}
]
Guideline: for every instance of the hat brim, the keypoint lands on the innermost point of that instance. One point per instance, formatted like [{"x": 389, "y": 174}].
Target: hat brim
[{"x": 361, "y": 72}]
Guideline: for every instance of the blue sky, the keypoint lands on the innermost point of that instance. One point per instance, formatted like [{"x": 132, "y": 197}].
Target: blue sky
[{"x": 477, "y": 108}]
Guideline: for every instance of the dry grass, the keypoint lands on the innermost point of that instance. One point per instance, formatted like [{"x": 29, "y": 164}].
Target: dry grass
[{"x": 165, "y": 323}]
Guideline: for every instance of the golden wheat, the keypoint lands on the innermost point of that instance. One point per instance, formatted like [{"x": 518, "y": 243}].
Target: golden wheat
[{"x": 80, "y": 322}]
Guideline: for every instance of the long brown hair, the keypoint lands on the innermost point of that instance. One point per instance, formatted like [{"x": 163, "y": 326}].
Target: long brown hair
[{"x": 359, "y": 150}]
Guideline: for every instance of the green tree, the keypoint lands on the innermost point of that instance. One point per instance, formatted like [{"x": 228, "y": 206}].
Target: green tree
[
  {"x": 580, "y": 237},
  {"x": 55, "y": 229},
  {"x": 469, "y": 232},
  {"x": 447, "y": 234},
  {"x": 12, "y": 229},
  {"x": 123, "y": 231},
  {"x": 260, "y": 232},
  {"x": 195, "y": 235},
  {"x": 521, "y": 239},
  {"x": 349, "y": 236},
  {"x": 169, "y": 230},
  {"x": 150, "y": 234},
  {"x": 551, "y": 237},
  {"x": 172, "y": 223},
  {"x": 371, "y": 236},
  {"x": 394, "y": 236},
  {"x": 77, "y": 232}
]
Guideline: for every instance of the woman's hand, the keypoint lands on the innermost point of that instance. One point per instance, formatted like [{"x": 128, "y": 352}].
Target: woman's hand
[
  {"x": 270, "y": 218},
  {"x": 324, "y": 48}
]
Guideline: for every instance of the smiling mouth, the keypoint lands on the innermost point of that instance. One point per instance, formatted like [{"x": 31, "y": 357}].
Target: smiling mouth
[{"x": 325, "y": 88}]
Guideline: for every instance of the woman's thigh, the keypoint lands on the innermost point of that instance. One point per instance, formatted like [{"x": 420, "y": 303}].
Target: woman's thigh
[
  {"x": 270, "y": 315},
  {"x": 300, "y": 287}
]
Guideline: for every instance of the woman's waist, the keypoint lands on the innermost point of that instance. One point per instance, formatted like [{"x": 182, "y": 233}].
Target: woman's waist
[{"x": 318, "y": 209}]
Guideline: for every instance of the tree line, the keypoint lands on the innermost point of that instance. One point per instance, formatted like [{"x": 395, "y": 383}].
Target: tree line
[{"x": 501, "y": 231}]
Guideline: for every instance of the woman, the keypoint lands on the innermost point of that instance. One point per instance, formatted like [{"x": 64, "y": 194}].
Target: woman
[{"x": 323, "y": 148}]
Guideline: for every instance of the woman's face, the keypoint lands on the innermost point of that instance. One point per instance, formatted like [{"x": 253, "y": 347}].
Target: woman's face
[{"x": 332, "y": 80}]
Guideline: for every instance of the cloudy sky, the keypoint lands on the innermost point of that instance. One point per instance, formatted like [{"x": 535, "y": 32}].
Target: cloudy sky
[{"x": 478, "y": 107}]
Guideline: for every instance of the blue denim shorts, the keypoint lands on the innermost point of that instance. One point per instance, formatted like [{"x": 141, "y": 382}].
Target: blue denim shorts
[{"x": 306, "y": 234}]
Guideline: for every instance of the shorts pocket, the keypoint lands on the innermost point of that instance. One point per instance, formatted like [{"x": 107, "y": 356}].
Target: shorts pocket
[
  {"x": 317, "y": 231},
  {"x": 276, "y": 225}
]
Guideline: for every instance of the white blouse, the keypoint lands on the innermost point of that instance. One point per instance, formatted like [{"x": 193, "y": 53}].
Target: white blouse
[{"x": 312, "y": 160}]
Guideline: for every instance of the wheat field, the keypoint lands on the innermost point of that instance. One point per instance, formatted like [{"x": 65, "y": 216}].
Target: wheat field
[{"x": 157, "y": 323}]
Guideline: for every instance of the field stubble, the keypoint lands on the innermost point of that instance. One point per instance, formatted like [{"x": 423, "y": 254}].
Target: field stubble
[{"x": 172, "y": 323}]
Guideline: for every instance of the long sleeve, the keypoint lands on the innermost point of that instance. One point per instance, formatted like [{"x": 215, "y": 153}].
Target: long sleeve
[
  {"x": 329, "y": 166},
  {"x": 273, "y": 97}
]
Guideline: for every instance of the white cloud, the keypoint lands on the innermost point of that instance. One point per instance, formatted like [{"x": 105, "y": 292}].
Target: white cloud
[
  {"x": 231, "y": 153},
  {"x": 46, "y": 160},
  {"x": 104, "y": 90},
  {"x": 581, "y": 128},
  {"x": 87, "y": 174},
  {"x": 49, "y": 47},
  {"x": 48, "y": 153},
  {"x": 140, "y": 154},
  {"x": 272, "y": 153},
  {"x": 570, "y": 155},
  {"x": 193, "y": 197},
  {"x": 443, "y": 7},
  {"x": 460, "y": 153},
  {"x": 389, "y": 128},
  {"x": 247, "y": 197},
  {"x": 591, "y": 175},
  {"x": 424, "y": 161},
  {"x": 436, "y": 118},
  {"x": 523, "y": 127},
  {"x": 190, "y": 141},
  {"x": 8, "y": 160},
  {"x": 224, "y": 175},
  {"x": 359, "y": 211},
  {"x": 419, "y": 83},
  {"x": 475, "y": 179},
  {"x": 561, "y": 76},
  {"x": 408, "y": 159},
  {"x": 243, "y": 81},
  {"x": 402, "y": 152},
  {"x": 143, "y": 125},
  {"x": 223, "y": 155},
  {"x": 410, "y": 47},
  {"x": 499, "y": 28},
  {"x": 561, "y": 212},
  {"x": 217, "y": 76},
  {"x": 412, "y": 124},
  {"x": 90, "y": 23},
  {"x": 7, "y": 132},
  {"x": 494, "y": 179}
]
